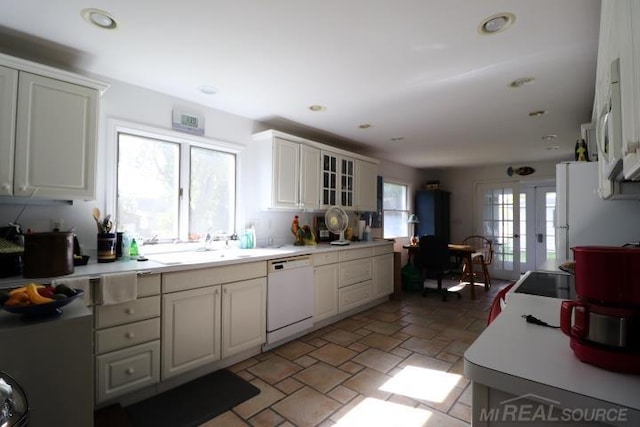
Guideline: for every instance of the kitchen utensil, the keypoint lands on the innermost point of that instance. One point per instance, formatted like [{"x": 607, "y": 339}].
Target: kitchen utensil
[
  {"x": 96, "y": 216},
  {"x": 107, "y": 224}
]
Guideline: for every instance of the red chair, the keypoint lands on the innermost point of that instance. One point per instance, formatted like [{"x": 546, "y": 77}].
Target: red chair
[{"x": 496, "y": 305}]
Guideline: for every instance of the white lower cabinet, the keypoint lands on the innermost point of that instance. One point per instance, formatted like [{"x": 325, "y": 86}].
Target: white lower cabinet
[
  {"x": 244, "y": 315},
  {"x": 326, "y": 291},
  {"x": 382, "y": 275},
  {"x": 126, "y": 370},
  {"x": 354, "y": 295},
  {"x": 203, "y": 325},
  {"x": 191, "y": 329},
  {"x": 127, "y": 342}
]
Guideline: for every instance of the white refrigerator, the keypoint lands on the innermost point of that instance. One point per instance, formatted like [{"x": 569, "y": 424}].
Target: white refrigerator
[{"x": 583, "y": 218}]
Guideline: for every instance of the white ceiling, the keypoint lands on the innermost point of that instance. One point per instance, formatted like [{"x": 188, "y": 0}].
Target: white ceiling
[{"x": 417, "y": 69}]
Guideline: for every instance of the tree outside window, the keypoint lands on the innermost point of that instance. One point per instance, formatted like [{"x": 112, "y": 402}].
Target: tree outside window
[{"x": 395, "y": 210}]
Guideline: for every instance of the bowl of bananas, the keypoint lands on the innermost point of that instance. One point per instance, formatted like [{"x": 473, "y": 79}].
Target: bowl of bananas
[{"x": 36, "y": 300}]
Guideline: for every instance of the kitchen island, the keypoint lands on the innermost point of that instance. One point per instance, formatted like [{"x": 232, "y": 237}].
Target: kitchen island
[{"x": 523, "y": 372}]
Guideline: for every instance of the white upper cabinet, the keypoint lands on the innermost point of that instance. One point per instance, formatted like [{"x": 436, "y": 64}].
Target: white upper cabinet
[
  {"x": 366, "y": 174},
  {"x": 55, "y": 139},
  {"x": 51, "y": 152},
  {"x": 620, "y": 39},
  {"x": 299, "y": 174},
  {"x": 289, "y": 173},
  {"x": 309, "y": 177},
  {"x": 8, "y": 102},
  {"x": 630, "y": 87}
]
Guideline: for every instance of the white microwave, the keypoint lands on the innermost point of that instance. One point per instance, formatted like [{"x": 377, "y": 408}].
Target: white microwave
[{"x": 609, "y": 141}]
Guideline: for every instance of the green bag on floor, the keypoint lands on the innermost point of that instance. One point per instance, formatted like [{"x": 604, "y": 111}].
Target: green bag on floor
[{"x": 411, "y": 278}]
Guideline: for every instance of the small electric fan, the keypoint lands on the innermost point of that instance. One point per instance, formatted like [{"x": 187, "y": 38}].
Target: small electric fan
[{"x": 337, "y": 221}]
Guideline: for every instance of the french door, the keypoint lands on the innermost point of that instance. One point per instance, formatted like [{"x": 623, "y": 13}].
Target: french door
[
  {"x": 537, "y": 221},
  {"x": 498, "y": 205}
]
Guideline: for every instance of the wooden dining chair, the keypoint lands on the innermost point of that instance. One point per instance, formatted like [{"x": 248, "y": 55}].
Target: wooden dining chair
[{"x": 481, "y": 259}]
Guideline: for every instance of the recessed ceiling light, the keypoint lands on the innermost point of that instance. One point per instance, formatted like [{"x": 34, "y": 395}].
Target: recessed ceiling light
[
  {"x": 496, "y": 23},
  {"x": 208, "y": 90},
  {"x": 552, "y": 147},
  {"x": 99, "y": 18},
  {"x": 537, "y": 113},
  {"x": 549, "y": 137},
  {"x": 522, "y": 81},
  {"x": 397, "y": 139},
  {"x": 317, "y": 108},
  {"x": 364, "y": 126}
]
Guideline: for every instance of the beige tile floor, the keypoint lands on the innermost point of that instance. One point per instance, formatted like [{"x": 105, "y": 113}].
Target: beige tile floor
[{"x": 397, "y": 364}]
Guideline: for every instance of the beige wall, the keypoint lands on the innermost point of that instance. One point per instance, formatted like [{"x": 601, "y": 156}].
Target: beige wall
[{"x": 461, "y": 182}]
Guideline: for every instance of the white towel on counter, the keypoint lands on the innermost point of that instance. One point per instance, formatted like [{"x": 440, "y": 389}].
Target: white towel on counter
[
  {"x": 81, "y": 283},
  {"x": 119, "y": 287}
]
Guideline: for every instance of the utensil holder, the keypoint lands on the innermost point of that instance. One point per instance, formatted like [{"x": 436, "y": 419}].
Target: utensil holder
[{"x": 107, "y": 247}]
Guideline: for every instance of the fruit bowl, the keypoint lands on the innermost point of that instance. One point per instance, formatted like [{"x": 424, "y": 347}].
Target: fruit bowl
[{"x": 43, "y": 310}]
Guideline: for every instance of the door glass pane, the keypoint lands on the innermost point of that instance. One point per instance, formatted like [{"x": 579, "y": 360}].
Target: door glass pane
[
  {"x": 148, "y": 187},
  {"x": 550, "y": 229},
  {"x": 523, "y": 226},
  {"x": 498, "y": 224}
]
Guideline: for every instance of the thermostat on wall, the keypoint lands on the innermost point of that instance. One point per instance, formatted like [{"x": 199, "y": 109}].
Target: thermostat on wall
[{"x": 188, "y": 122}]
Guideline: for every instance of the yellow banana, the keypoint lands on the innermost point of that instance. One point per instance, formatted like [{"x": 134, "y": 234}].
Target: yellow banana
[
  {"x": 18, "y": 290},
  {"x": 23, "y": 289},
  {"x": 34, "y": 296}
]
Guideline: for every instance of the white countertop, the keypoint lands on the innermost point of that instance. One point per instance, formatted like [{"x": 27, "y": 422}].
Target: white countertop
[
  {"x": 517, "y": 357},
  {"x": 176, "y": 261}
]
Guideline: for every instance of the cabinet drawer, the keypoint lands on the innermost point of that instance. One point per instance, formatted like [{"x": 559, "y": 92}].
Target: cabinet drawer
[
  {"x": 325, "y": 258},
  {"x": 353, "y": 296},
  {"x": 132, "y": 311},
  {"x": 127, "y": 335},
  {"x": 354, "y": 271},
  {"x": 384, "y": 249},
  {"x": 124, "y": 371},
  {"x": 148, "y": 284},
  {"x": 183, "y": 280},
  {"x": 349, "y": 254}
]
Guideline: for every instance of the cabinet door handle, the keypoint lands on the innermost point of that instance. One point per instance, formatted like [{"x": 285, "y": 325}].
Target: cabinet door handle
[
  {"x": 6, "y": 187},
  {"x": 130, "y": 335},
  {"x": 130, "y": 371},
  {"x": 23, "y": 188},
  {"x": 129, "y": 311},
  {"x": 217, "y": 292}
]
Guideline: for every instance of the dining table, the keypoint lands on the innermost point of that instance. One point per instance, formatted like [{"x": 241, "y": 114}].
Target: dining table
[{"x": 459, "y": 250}]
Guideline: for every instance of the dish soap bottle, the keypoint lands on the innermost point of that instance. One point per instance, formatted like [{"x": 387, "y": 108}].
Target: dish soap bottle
[
  {"x": 367, "y": 233},
  {"x": 133, "y": 250}
]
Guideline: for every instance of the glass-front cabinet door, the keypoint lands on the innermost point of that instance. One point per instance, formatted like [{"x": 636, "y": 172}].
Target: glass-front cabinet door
[
  {"x": 346, "y": 182},
  {"x": 329, "y": 189},
  {"x": 337, "y": 180}
]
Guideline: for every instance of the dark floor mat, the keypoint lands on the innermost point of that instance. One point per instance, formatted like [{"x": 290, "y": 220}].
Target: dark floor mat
[{"x": 193, "y": 403}]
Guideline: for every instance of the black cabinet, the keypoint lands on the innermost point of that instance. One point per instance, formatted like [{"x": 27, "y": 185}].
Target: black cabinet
[{"x": 432, "y": 209}]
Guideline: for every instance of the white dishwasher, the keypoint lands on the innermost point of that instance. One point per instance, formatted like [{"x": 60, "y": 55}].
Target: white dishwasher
[{"x": 290, "y": 298}]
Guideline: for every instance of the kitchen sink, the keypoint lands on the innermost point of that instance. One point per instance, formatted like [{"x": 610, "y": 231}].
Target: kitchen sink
[{"x": 197, "y": 257}]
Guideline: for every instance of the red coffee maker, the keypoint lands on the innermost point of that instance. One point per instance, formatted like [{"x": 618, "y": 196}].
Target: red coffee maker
[{"x": 604, "y": 321}]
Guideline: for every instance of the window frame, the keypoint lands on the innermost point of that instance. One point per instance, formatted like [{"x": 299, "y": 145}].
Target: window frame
[
  {"x": 185, "y": 141},
  {"x": 407, "y": 209}
]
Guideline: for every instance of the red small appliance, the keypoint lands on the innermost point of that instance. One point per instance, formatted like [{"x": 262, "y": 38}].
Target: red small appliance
[{"x": 604, "y": 320}]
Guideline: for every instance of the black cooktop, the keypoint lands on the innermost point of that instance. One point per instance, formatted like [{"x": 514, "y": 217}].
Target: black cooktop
[{"x": 548, "y": 284}]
